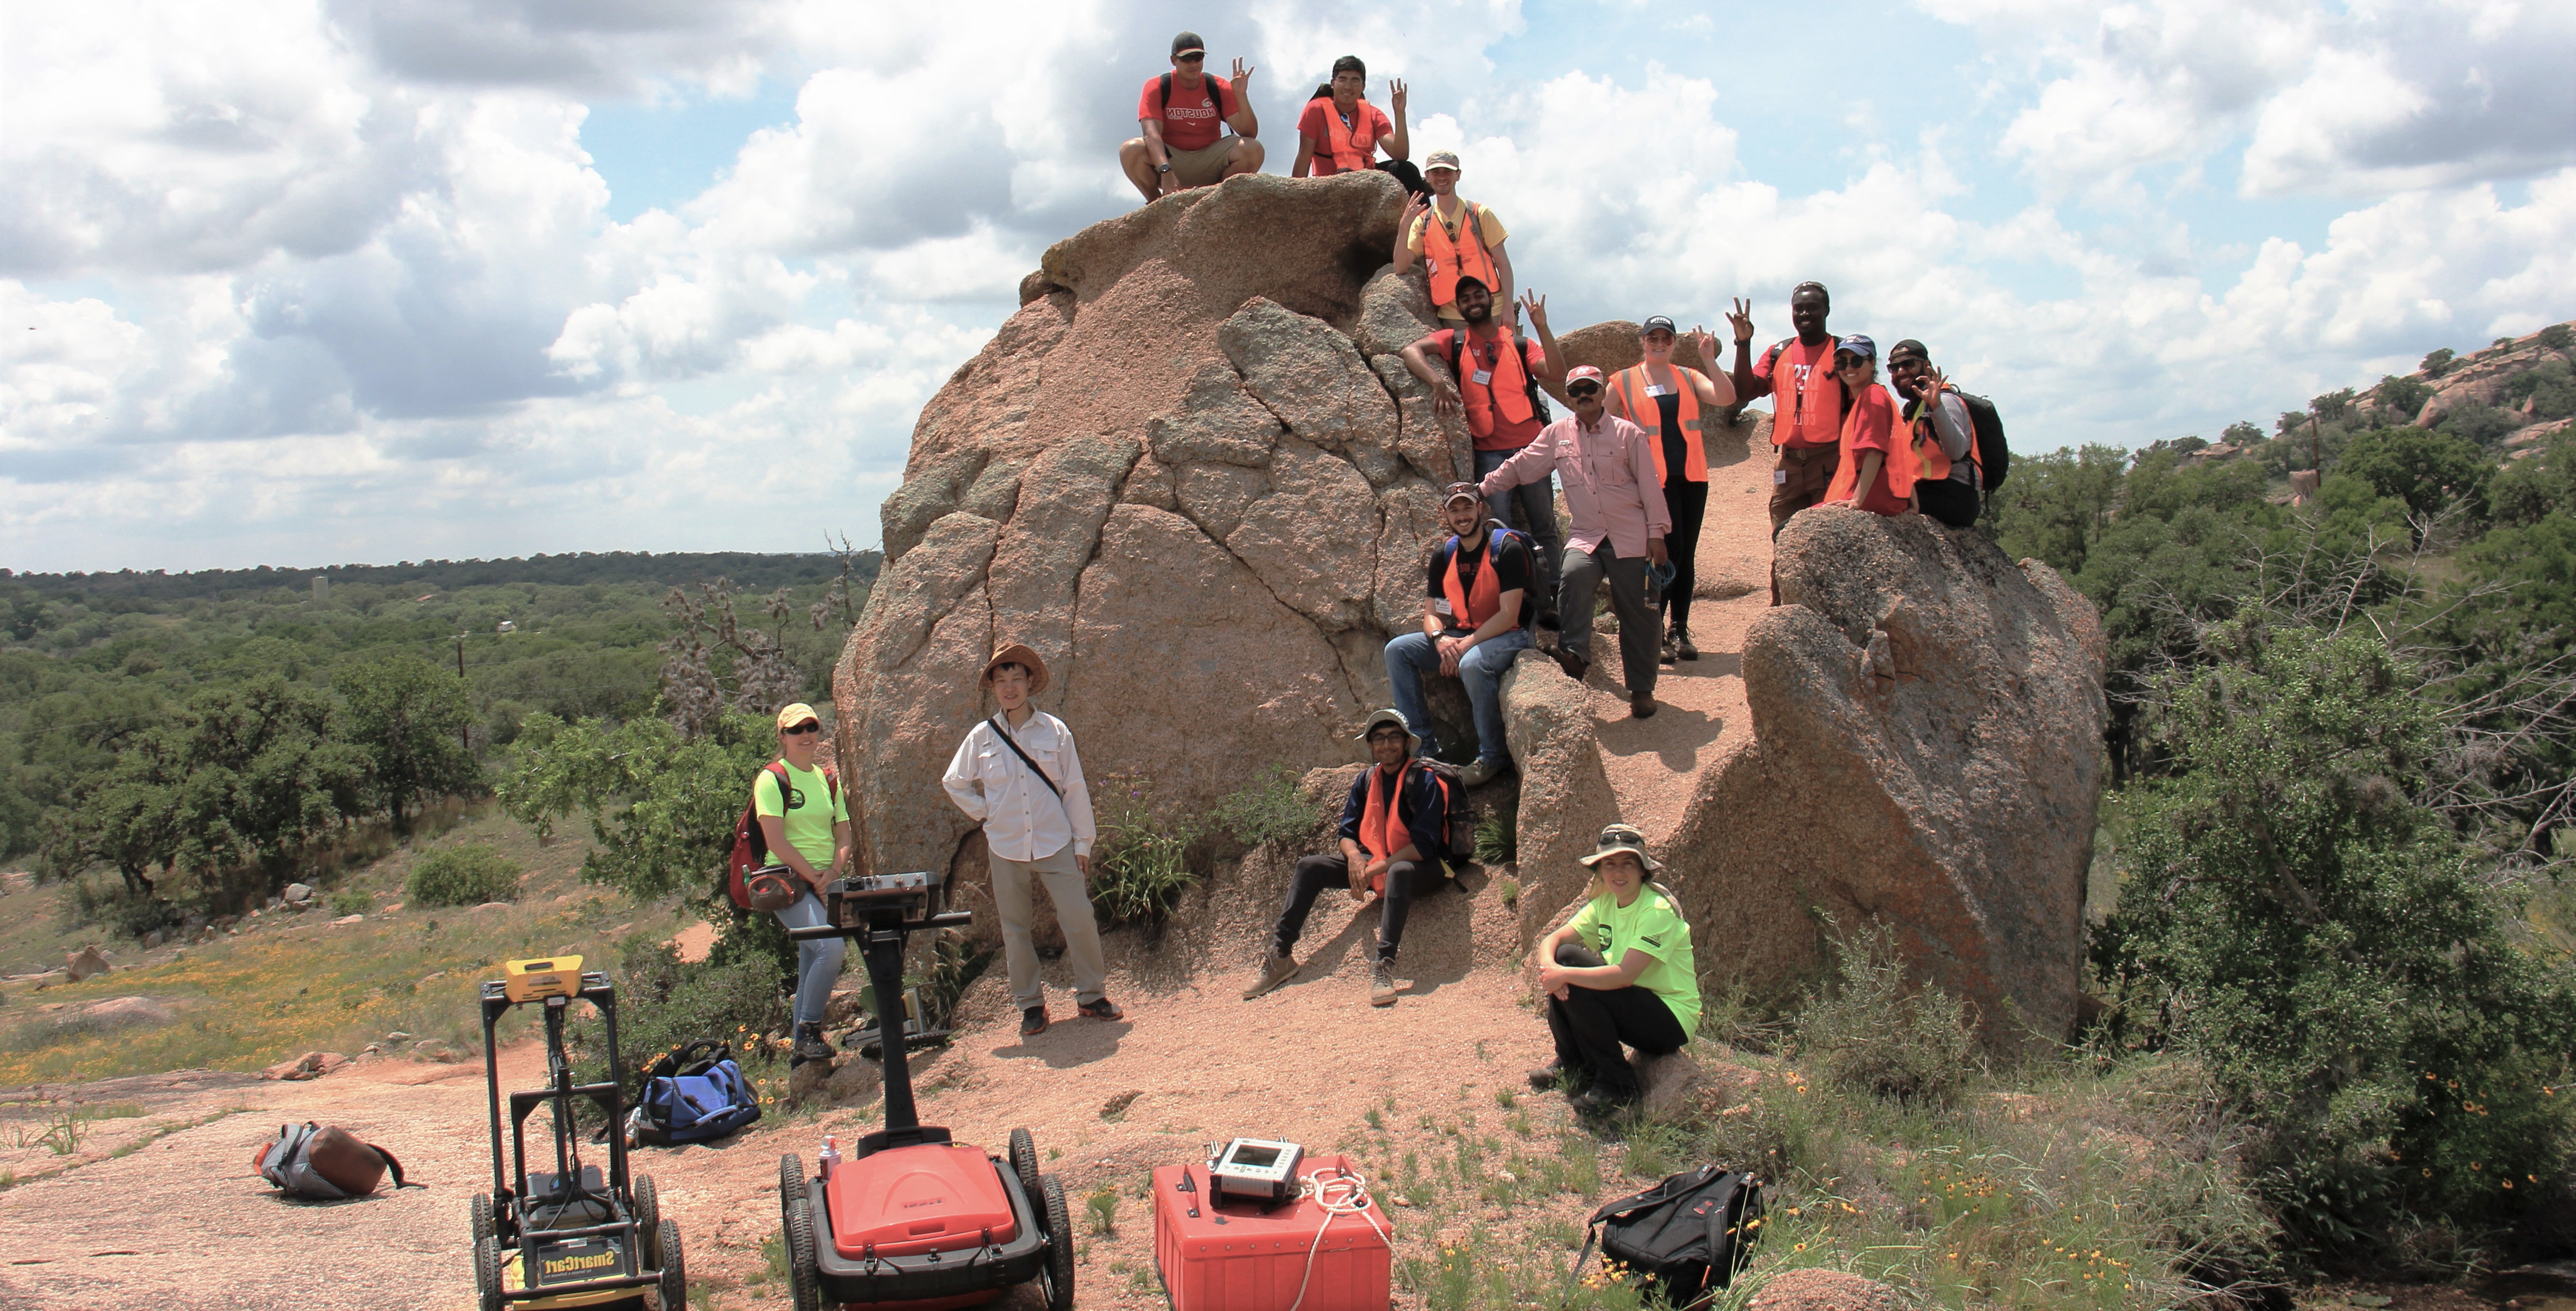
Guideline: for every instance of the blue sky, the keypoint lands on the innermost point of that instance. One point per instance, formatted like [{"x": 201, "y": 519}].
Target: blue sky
[{"x": 309, "y": 281}]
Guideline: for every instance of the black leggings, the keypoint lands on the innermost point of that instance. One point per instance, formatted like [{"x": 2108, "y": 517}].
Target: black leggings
[
  {"x": 1953, "y": 503},
  {"x": 1590, "y": 1024},
  {"x": 1689, "y": 503},
  {"x": 1405, "y": 880}
]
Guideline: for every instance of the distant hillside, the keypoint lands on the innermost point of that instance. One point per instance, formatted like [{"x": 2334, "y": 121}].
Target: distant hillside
[
  {"x": 748, "y": 570},
  {"x": 2509, "y": 397}
]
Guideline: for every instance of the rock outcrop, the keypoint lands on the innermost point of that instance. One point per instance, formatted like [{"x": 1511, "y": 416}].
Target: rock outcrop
[
  {"x": 1927, "y": 722},
  {"x": 1190, "y": 472}
]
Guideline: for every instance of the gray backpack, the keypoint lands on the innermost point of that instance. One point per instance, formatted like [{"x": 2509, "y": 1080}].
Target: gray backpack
[{"x": 325, "y": 1164}]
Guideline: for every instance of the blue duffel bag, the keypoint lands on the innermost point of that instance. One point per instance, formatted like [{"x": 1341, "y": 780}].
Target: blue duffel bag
[{"x": 692, "y": 1095}]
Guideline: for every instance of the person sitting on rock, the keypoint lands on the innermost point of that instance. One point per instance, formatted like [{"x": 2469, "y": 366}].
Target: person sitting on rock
[
  {"x": 1668, "y": 400},
  {"x": 1465, "y": 241},
  {"x": 1620, "y": 971},
  {"x": 1944, "y": 436},
  {"x": 1340, "y": 131},
  {"x": 805, "y": 821},
  {"x": 1608, "y": 468},
  {"x": 1877, "y": 466},
  {"x": 1497, "y": 384},
  {"x": 1181, "y": 112},
  {"x": 1391, "y": 844},
  {"x": 1475, "y": 618},
  {"x": 1017, "y": 774}
]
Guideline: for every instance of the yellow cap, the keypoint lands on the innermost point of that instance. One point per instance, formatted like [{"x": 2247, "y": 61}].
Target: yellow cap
[{"x": 797, "y": 714}]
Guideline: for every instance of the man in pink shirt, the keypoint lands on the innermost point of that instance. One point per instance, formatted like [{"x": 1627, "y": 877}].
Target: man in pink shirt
[{"x": 1607, "y": 467}]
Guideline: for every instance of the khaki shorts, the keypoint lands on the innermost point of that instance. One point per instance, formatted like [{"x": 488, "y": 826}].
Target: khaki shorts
[
  {"x": 1204, "y": 167},
  {"x": 1800, "y": 480}
]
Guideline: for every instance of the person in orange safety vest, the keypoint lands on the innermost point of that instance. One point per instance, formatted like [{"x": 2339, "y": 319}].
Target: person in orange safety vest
[
  {"x": 1672, "y": 402},
  {"x": 1341, "y": 132},
  {"x": 1457, "y": 237},
  {"x": 1390, "y": 850}
]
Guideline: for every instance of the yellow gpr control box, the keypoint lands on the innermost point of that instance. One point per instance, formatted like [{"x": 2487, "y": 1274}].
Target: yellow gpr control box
[{"x": 548, "y": 976}]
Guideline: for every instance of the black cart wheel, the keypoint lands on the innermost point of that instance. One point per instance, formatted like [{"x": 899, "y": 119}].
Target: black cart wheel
[
  {"x": 1059, "y": 1235},
  {"x": 804, "y": 1280},
  {"x": 674, "y": 1287},
  {"x": 487, "y": 1272},
  {"x": 791, "y": 1183},
  {"x": 1024, "y": 1162},
  {"x": 478, "y": 1210},
  {"x": 648, "y": 1219}
]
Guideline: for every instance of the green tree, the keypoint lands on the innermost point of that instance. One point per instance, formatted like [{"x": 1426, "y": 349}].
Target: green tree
[
  {"x": 2426, "y": 470},
  {"x": 2403, "y": 398},
  {"x": 409, "y": 716},
  {"x": 2058, "y": 504},
  {"x": 2437, "y": 363}
]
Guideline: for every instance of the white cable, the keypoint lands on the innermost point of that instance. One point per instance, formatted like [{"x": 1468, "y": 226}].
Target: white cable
[{"x": 1353, "y": 1199}]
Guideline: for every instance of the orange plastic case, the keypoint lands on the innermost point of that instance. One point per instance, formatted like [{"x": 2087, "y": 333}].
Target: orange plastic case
[
  {"x": 909, "y": 1200},
  {"x": 1240, "y": 1258}
]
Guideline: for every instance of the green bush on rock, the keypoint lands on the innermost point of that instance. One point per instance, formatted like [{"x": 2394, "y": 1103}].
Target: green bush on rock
[{"x": 462, "y": 876}]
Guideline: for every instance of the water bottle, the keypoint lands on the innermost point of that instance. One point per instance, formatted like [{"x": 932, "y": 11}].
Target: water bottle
[{"x": 830, "y": 1157}]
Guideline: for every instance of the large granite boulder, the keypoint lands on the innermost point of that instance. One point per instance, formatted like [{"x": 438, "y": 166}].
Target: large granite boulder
[
  {"x": 1927, "y": 727},
  {"x": 1193, "y": 474}
]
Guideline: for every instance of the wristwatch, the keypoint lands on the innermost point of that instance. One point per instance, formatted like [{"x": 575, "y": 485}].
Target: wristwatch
[{"x": 1162, "y": 168}]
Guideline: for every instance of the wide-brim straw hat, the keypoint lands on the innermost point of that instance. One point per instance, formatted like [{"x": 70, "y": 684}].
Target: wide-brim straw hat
[{"x": 1018, "y": 653}]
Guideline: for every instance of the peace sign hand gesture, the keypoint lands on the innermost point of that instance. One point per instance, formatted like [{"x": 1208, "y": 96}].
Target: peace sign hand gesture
[
  {"x": 1536, "y": 304},
  {"x": 1741, "y": 318},
  {"x": 1706, "y": 343},
  {"x": 1241, "y": 75},
  {"x": 1395, "y": 94}
]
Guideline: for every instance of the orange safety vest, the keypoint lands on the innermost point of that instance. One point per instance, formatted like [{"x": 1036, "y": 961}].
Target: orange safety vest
[
  {"x": 1809, "y": 415},
  {"x": 1379, "y": 827},
  {"x": 1450, "y": 260},
  {"x": 1352, "y": 147},
  {"x": 1507, "y": 391},
  {"x": 1472, "y": 606},
  {"x": 1873, "y": 404},
  {"x": 1630, "y": 385},
  {"x": 1934, "y": 460}
]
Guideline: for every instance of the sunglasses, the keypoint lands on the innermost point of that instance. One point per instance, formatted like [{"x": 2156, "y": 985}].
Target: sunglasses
[
  {"x": 1583, "y": 389},
  {"x": 802, "y": 729}
]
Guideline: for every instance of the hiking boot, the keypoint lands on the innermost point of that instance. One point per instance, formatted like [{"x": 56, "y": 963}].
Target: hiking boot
[
  {"x": 1382, "y": 983},
  {"x": 1546, "y": 1077},
  {"x": 1604, "y": 1099},
  {"x": 1642, "y": 705},
  {"x": 1277, "y": 967},
  {"x": 809, "y": 1046},
  {"x": 1681, "y": 643},
  {"x": 1101, "y": 1008},
  {"x": 1481, "y": 773},
  {"x": 1033, "y": 1021},
  {"x": 1573, "y": 664},
  {"x": 1664, "y": 655}
]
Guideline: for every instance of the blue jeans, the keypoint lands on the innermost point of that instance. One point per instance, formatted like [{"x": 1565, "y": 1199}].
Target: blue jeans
[
  {"x": 1537, "y": 503},
  {"x": 1410, "y": 657},
  {"x": 818, "y": 961}
]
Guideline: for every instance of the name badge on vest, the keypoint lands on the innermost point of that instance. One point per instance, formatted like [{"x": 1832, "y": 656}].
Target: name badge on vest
[
  {"x": 1482, "y": 377},
  {"x": 1658, "y": 389}
]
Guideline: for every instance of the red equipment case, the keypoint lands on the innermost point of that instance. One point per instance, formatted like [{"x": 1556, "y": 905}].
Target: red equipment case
[
  {"x": 904, "y": 1201},
  {"x": 1241, "y": 1258}
]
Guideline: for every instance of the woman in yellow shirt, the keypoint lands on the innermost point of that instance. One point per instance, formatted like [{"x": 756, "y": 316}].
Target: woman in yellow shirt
[{"x": 1621, "y": 971}]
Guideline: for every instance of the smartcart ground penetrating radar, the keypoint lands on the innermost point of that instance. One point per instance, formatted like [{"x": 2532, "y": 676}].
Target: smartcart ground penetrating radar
[
  {"x": 570, "y": 1236},
  {"x": 915, "y": 1220}
]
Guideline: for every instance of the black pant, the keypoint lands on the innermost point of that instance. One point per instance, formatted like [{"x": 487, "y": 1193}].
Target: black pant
[
  {"x": 1590, "y": 1024},
  {"x": 1953, "y": 503},
  {"x": 1689, "y": 503},
  {"x": 1405, "y": 880},
  {"x": 1402, "y": 170}
]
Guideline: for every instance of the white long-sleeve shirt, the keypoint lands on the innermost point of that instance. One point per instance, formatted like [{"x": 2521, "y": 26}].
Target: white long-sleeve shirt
[{"x": 1021, "y": 818}]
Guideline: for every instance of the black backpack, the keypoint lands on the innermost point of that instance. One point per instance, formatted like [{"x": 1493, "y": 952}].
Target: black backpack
[
  {"x": 1457, "y": 371},
  {"x": 1994, "y": 457},
  {"x": 1685, "y": 1238}
]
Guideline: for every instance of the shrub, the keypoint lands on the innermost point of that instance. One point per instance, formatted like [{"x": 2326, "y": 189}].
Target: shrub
[
  {"x": 1141, "y": 866},
  {"x": 2402, "y": 397},
  {"x": 2483, "y": 424},
  {"x": 351, "y": 901},
  {"x": 118, "y": 908},
  {"x": 665, "y": 1004},
  {"x": 462, "y": 876},
  {"x": 2438, "y": 363},
  {"x": 2558, "y": 337},
  {"x": 2425, "y": 470},
  {"x": 1870, "y": 1031},
  {"x": 1498, "y": 836},
  {"x": 1273, "y": 809}
]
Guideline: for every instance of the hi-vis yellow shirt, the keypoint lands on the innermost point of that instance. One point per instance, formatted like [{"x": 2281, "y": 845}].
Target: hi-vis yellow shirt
[{"x": 1653, "y": 925}]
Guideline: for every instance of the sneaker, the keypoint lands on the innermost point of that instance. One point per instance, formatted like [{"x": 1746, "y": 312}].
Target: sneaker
[
  {"x": 1481, "y": 773},
  {"x": 1101, "y": 1008},
  {"x": 1382, "y": 983},
  {"x": 809, "y": 1047},
  {"x": 1642, "y": 705},
  {"x": 1277, "y": 967},
  {"x": 1682, "y": 648},
  {"x": 1574, "y": 665},
  {"x": 1033, "y": 1021}
]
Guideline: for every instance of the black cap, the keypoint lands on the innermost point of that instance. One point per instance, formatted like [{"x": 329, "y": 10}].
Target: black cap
[
  {"x": 1909, "y": 346},
  {"x": 1187, "y": 42},
  {"x": 1658, "y": 321}
]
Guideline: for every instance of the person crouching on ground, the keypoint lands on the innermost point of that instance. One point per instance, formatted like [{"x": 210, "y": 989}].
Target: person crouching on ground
[
  {"x": 1945, "y": 436},
  {"x": 1017, "y": 775},
  {"x": 1876, "y": 472},
  {"x": 1390, "y": 850},
  {"x": 806, "y": 823},
  {"x": 1617, "y": 506},
  {"x": 1181, "y": 113},
  {"x": 1340, "y": 131},
  {"x": 1620, "y": 971},
  {"x": 1476, "y": 618}
]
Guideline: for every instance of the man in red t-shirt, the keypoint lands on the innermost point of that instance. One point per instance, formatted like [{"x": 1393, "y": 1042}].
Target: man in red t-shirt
[
  {"x": 1807, "y": 399},
  {"x": 1341, "y": 132},
  {"x": 1182, "y": 112},
  {"x": 1496, "y": 387}
]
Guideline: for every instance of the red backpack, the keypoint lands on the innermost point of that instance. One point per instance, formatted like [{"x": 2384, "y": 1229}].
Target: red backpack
[{"x": 750, "y": 843}]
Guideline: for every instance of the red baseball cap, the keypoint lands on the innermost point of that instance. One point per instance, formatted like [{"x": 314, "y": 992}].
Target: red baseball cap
[{"x": 1582, "y": 372}]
